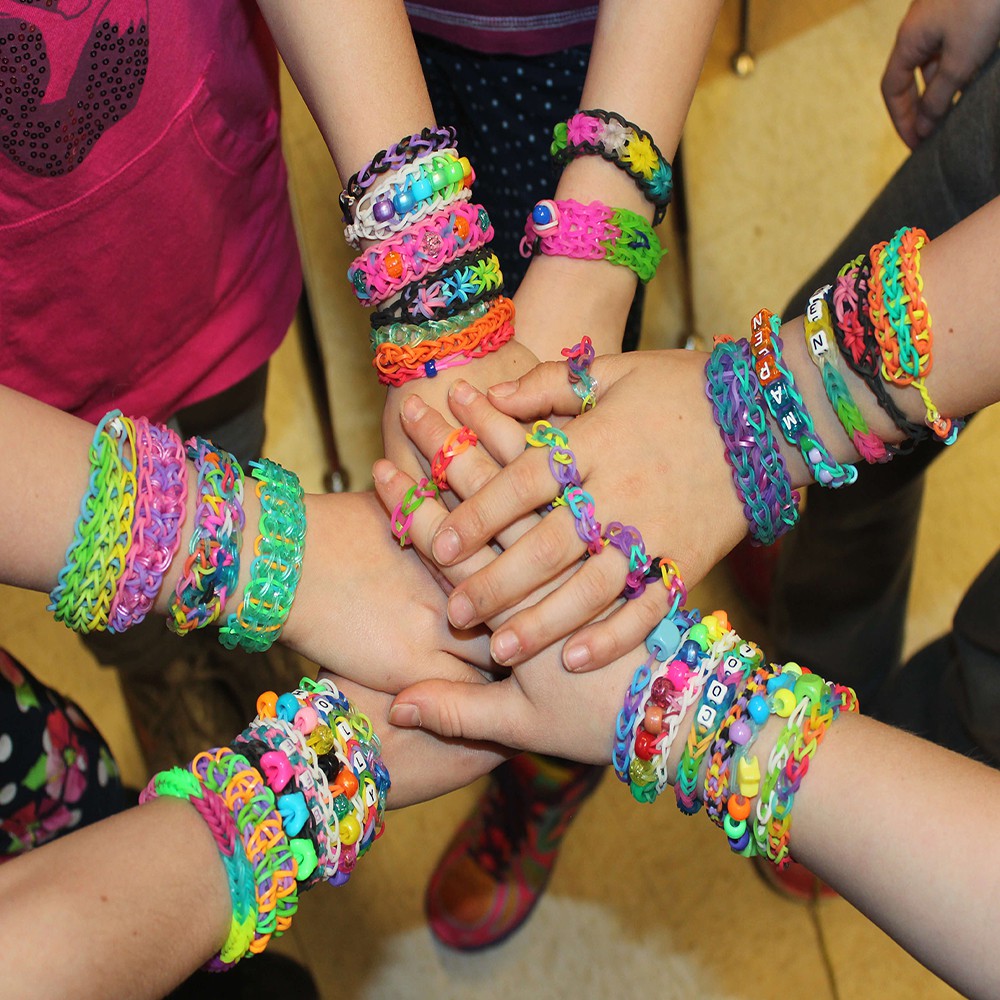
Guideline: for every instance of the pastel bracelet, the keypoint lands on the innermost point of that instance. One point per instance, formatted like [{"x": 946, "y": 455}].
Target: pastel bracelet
[
  {"x": 421, "y": 249},
  {"x": 277, "y": 564},
  {"x": 212, "y": 568},
  {"x": 593, "y": 232},
  {"x": 406, "y": 334},
  {"x": 617, "y": 140}
]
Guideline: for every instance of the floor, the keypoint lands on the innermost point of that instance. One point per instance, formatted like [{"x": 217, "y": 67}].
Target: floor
[{"x": 639, "y": 894}]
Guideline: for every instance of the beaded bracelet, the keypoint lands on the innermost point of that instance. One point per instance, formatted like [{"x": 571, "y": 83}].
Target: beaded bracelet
[
  {"x": 406, "y": 334},
  {"x": 161, "y": 493},
  {"x": 402, "y": 516},
  {"x": 821, "y": 342},
  {"x": 102, "y": 535},
  {"x": 384, "y": 269},
  {"x": 856, "y": 341},
  {"x": 400, "y": 363},
  {"x": 474, "y": 277},
  {"x": 730, "y": 670},
  {"x": 277, "y": 565},
  {"x": 672, "y": 690},
  {"x": 787, "y": 406},
  {"x": 579, "y": 358},
  {"x": 615, "y": 139},
  {"x": 408, "y": 149},
  {"x": 770, "y": 505},
  {"x": 212, "y": 568},
  {"x": 593, "y": 232},
  {"x": 455, "y": 443},
  {"x": 409, "y": 195}
]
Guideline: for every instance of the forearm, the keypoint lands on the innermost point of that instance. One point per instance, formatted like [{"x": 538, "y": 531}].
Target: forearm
[
  {"x": 357, "y": 69},
  {"x": 140, "y": 901}
]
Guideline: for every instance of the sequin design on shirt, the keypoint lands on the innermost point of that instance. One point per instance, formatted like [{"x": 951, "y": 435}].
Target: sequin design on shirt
[{"x": 69, "y": 70}]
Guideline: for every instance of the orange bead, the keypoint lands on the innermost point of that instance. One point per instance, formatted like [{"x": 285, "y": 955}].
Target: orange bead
[
  {"x": 461, "y": 227},
  {"x": 348, "y": 782},
  {"x": 738, "y": 806},
  {"x": 393, "y": 264},
  {"x": 267, "y": 705}
]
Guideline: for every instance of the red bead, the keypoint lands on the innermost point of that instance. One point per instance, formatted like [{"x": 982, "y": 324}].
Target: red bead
[{"x": 645, "y": 745}]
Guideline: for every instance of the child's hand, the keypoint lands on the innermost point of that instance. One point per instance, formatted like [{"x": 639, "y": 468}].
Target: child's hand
[
  {"x": 947, "y": 42},
  {"x": 649, "y": 454}
]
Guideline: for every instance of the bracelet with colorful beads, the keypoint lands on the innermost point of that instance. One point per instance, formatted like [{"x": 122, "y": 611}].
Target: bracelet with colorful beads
[
  {"x": 730, "y": 670},
  {"x": 102, "y": 535},
  {"x": 410, "y": 194},
  {"x": 408, "y": 149},
  {"x": 212, "y": 568},
  {"x": 821, "y": 342},
  {"x": 161, "y": 493},
  {"x": 277, "y": 564},
  {"x": 474, "y": 277},
  {"x": 424, "y": 248},
  {"x": 787, "y": 406},
  {"x": 593, "y": 232},
  {"x": 770, "y": 505},
  {"x": 617, "y": 140}
]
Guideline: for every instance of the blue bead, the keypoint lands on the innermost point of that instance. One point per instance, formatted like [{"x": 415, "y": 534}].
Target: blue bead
[
  {"x": 430, "y": 368},
  {"x": 757, "y": 707},
  {"x": 403, "y": 202},
  {"x": 287, "y": 706},
  {"x": 689, "y": 653},
  {"x": 422, "y": 189},
  {"x": 541, "y": 215},
  {"x": 662, "y": 641}
]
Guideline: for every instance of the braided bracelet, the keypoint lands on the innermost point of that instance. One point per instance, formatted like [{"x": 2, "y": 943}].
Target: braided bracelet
[
  {"x": 820, "y": 341},
  {"x": 406, "y": 334},
  {"x": 615, "y": 139},
  {"x": 770, "y": 505},
  {"x": 787, "y": 406},
  {"x": 409, "y": 195},
  {"x": 593, "y": 232},
  {"x": 212, "y": 568},
  {"x": 161, "y": 493},
  {"x": 408, "y": 149},
  {"x": 384, "y": 269},
  {"x": 400, "y": 363},
  {"x": 102, "y": 535},
  {"x": 474, "y": 277},
  {"x": 277, "y": 565}
]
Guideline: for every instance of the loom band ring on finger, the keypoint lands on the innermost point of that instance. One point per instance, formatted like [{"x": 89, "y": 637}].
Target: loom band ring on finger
[
  {"x": 666, "y": 570},
  {"x": 455, "y": 443},
  {"x": 544, "y": 435},
  {"x": 402, "y": 516},
  {"x": 581, "y": 506}
]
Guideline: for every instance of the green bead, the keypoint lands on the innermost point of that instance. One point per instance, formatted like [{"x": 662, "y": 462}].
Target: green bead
[
  {"x": 341, "y": 806},
  {"x": 699, "y": 633},
  {"x": 810, "y": 686}
]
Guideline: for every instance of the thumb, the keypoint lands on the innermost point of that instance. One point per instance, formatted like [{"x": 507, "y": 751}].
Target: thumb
[{"x": 454, "y": 709}]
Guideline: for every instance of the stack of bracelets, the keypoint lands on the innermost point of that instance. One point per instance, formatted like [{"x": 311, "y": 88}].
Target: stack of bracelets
[
  {"x": 568, "y": 228},
  {"x": 427, "y": 269},
  {"x": 128, "y": 533},
  {"x": 874, "y": 319},
  {"x": 700, "y": 663},
  {"x": 297, "y": 800}
]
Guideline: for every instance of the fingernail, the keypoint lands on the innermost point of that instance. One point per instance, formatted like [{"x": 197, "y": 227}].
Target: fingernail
[
  {"x": 414, "y": 408},
  {"x": 576, "y": 658},
  {"x": 445, "y": 546},
  {"x": 405, "y": 715},
  {"x": 460, "y": 610},
  {"x": 462, "y": 392},
  {"x": 504, "y": 647},
  {"x": 383, "y": 471},
  {"x": 502, "y": 389}
]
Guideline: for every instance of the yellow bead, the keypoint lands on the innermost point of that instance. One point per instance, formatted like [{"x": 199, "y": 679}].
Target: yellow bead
[
  {"x": 748, "y": 777},
  {"x": 322, "y": 740},
  {"x": 792, "y": 668},
  {"x": 350, "y": 830},
  {"x": 784, "y": 703}
]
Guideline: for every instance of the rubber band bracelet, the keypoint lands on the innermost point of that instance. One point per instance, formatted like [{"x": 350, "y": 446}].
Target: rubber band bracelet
[
  {"x": 277, "y": 565},
  {"x": 407, "y": 334},
  {"x": 617, "y": 140}
]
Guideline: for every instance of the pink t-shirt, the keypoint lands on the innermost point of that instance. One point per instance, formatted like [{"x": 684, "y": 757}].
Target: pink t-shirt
[
  {"x": 515, "y": 27},
  {"x": 147, "y": 254}
]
